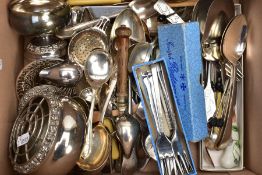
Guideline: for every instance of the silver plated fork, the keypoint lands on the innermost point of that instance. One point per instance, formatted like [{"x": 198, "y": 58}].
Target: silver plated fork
[
  {"x": 163, "y": 144},
  {"x": 181, "y": 157}
]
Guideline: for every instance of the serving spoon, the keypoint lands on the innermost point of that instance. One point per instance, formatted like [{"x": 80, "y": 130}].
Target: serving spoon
[{"x": 97, "y": 69}]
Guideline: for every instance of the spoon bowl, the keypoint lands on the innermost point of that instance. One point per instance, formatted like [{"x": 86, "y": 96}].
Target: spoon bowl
[
  {"x": 98, "y": 67},
  {"x": 132, "y": 21},
  {"x": 100, "y": 149},
  {"x": 141, "y": 53},
  {"x": 234, "y": 40},
  {"x": 143, "y": 8}
]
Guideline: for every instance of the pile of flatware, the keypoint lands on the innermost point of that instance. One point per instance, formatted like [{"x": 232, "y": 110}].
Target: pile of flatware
[
  {"x": 224, "y": 33},
  {"x": 78, "y": 100},
  {"x": 170, "y": 139}
]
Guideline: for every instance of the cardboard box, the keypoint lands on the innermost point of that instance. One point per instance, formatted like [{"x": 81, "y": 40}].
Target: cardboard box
[
  {"x": 11, "y": 53},
  {"x": 180, "y": 47},
  {"x": 138, "y": 71}
]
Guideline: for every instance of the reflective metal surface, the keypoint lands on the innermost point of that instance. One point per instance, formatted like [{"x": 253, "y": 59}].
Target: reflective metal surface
[
  {"x": 32, "y": 17},
  {"x": 219, "y": 15},
  {"x": 149, "y": 147},
  {"x": 234, "y": 40},
  {"x": 129, "y": 165},
  {"x": 87, "y": 95},
  {"x": 29, "y": 75},
  {"x": 45, "y": 46},
  {"x": 99, "y": 151},
  {"x": 152, "y": 24},
  {"x": 233, "y": 46},
  {"x": 98, "y": 67},
  {"x": 200, "y": 12},
  {"x": 127, "y": 128},
  {"x": 141, "y": 53},
  {"x": 143, "y": 8},
  {"x": 70, "y": 31},
  {"x": 84, "y": 42},
  {"x": 132, "y": 21},
  {"x": 56, "y": 129},
  {"x": 65, "y": 74},
  {"x": 78, "y": 15}
]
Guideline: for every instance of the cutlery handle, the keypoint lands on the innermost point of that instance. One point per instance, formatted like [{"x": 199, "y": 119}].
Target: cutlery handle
[{"x": 122, "y": 44}]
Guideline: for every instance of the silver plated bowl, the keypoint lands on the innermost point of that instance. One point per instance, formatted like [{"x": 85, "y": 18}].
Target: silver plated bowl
[
  {"x": 45, "y": 46},
  {"x": 47, "y": 135},
  {"x": 33, "y": 17}
]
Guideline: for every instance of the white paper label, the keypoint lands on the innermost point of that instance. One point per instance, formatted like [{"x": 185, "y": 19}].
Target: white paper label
[
  {"x": 210, "y": 102},
  {"x": 23, "y": 139},
  {"x": 164, "y": 9}
]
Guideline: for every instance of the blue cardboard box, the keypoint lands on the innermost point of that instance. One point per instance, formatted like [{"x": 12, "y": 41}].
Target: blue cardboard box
[
  {"x": 149, "y": 118},
  {"x": 180, "y": 48}
]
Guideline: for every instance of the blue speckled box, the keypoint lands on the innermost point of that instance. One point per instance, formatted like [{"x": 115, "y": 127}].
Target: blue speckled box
[
  {"x": 137, "y": 69},
  {"x": 181, "y": 49}
]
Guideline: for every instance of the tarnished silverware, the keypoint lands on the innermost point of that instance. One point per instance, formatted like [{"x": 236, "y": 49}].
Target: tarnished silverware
[
  {"x": 143, "y": 8},
  {"x": 65, "y": 74},
  {"x": 142, "y": 52},
  {"x": 82, "y": 44},
  {"x": 70, "y": 31},
  {"x": 233, "y": 46},
  {"x": 98, "y": 67},
  {"x": 45, "y": 46},
  {"x": 29, "y": 75},
  {"x": 178, "y": 140},
  {"x": 126, "y": 125},
  {"x": 129, "y": 18},
  {"x": 47, "y": 133},
  {"x": 163, "y": 144},
  {"x": 31, "y": 17}
]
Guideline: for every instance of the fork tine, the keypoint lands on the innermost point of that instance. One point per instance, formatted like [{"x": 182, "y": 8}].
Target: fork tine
[
  {"x": 188, "y": 162},
  {"x": 168, "y": 164},
  {"x": 162, "y": 166},
  {"x": 174, "y": 166},
  {"x": 171, "y": 165},
  {"x": 178, "y": 165},
  {"x": 183, "y": 163}
]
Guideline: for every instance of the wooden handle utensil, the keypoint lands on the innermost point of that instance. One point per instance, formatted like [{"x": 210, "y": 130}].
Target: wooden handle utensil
[{"x": 122, "y": 44}]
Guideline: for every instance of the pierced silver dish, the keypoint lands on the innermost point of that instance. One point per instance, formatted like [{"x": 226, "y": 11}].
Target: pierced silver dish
[{"x": 47, "y": 135}]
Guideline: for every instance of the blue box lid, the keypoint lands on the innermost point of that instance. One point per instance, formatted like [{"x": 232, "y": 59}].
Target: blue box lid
[{"x": 180, "y": 47}]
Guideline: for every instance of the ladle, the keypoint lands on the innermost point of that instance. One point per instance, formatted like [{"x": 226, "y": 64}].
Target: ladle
[{"x": 97, "y": 69}]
